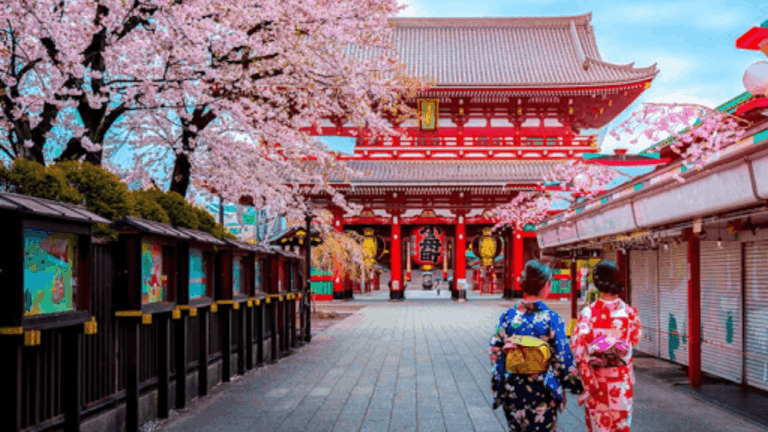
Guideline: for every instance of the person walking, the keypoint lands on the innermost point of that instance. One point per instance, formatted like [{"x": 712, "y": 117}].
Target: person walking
[
  {"x": 532, "y": 362},
  {"x": 602, "y": 343}
]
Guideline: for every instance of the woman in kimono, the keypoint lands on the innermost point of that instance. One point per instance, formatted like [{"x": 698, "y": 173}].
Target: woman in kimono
[
  {"x": 602, "y": 344},
  {"x": 531, "y": 401}
]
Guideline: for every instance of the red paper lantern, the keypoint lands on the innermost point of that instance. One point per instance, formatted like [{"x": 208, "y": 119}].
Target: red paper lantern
[{"x": 427, "y": 246}]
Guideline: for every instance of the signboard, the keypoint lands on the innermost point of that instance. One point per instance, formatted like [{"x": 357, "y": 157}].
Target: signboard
[
  {"x": 428, "y": 114},
  {"x": 197, "y": 276},
  {"x": 154, "y": 283},
  {"x": 50, "y": 271}
]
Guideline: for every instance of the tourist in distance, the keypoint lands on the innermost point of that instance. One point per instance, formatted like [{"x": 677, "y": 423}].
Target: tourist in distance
[
  {"x": 532, "y": 362},
  {"x": 602, "y": 344}
]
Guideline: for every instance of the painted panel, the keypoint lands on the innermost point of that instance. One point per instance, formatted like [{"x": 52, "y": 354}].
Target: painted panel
[
  {"x": 257, "y": 275},
  {"x": 673, "y": 303},
  {"x": 154, "y": 283},
  {"x": 756, "y": 313},
  {"x": 197, "y": 274},
  {"x": 721, "y": 347},
  {"x": 613, "y": 221},
  {"x": 238, "y": 279},
  {"x": 720, "y": 191},
  {"x": 50, "y": 271},
  {"x": 760, "y": 167}
]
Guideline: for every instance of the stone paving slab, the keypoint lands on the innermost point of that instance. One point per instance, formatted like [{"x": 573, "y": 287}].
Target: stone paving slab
[{"x": 420, "y": 365}]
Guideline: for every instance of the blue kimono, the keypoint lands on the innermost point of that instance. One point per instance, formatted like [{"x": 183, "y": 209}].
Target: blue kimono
[{"x": 531, "y": 402}]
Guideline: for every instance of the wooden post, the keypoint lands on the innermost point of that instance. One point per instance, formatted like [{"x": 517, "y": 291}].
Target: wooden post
[
  {"x": 163, "y": 365},
  {"x": 202, "y": 362},
  {"x": 621, "y": 262},
  {"x": 181, "y": 360},
  {"x": 307, "y": 297},
  {"x": 10, "y": 381},
  {"x": 241, "y": 339},
  {"x": 260, "y": 328},
  {"x": 574, "y": 293},
  {"x": 694, "y": 309},
  {"x": 292, "y": 319},
  {"x": 249, "y": 336},
  {"x": 225, "y": 315},
  {"x": 132, "y": 351},
  {"x": 71, "y": 378},
  {"x": 273, "y": 325}
]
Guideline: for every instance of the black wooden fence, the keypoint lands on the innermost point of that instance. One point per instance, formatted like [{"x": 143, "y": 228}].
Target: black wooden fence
[{"x": 49, "y": 400}]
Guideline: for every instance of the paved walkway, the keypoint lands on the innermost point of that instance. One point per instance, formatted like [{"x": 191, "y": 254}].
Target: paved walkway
[{"x": 418, "y": 365}]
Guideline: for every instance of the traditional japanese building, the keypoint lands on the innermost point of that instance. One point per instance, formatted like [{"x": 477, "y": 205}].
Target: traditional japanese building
[{"x": 510, "y": 100}]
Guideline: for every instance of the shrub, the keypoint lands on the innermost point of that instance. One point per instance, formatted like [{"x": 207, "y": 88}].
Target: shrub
[
  {"x": 31, "y": 178},
  {"x": 180, "y": 212},
  {"x": 147, "y": 208}
]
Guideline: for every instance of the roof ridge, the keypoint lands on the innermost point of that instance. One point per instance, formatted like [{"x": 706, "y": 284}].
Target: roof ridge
[
  {"x": 535, "y": 21},
  {"x": 628, "y": 66}
]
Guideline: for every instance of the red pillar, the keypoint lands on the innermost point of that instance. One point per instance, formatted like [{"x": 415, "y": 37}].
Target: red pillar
[
  {"x": 460, "y": 273},
  {"x": 396, "y": 293},
  {"x": 338, "y": 277},
  {"x": 694, "y": 310},
  {"x": 622, "y": 263},
  {"x": 517, "y": 260},
  {"x": 574, "y": 291}
]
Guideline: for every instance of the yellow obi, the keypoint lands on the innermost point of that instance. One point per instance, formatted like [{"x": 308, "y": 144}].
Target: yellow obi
[{"x": 527, "y": 355}]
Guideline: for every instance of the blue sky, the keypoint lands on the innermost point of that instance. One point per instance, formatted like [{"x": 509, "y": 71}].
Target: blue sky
[{"x": 693, "y": 42}]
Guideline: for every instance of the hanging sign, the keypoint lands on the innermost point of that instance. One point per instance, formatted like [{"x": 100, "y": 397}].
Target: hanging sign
[{"x": 428, "y": 114}]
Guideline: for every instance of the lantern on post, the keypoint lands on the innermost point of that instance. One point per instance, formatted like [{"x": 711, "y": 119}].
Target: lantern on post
[
  {"x": 488, "y": 247},
  {"x": 370, "y": 246}
]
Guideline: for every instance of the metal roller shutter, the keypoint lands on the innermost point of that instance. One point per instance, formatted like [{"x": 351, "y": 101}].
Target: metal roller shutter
[
  {"x": 642, "y": 274},
  {"x": 673, "y": 303},
  {"x": 756, "y": 313},
  {"x": 721, "y": 318}
]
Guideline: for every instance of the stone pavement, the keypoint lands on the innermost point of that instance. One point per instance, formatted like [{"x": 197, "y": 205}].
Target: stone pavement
[{"x": 417, "y": 365}]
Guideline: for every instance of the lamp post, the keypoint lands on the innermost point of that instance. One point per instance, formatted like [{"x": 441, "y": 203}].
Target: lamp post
[{"x": 306, "y": 295}]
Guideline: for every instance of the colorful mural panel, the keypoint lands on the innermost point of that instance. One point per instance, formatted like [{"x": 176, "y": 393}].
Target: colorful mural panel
[
  {"x": 50, "y": 271},
  {"x": 197, "y": 276},
  {"x": 153, "y": 282}
]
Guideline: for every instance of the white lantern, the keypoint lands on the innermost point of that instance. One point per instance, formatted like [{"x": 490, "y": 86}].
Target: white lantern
[{"x": 756, "y": 78}]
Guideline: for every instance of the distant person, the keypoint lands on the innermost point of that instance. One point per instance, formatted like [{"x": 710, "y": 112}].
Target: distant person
[
  {"x": 602, "y": 343},
  {"x": 532, "y": 362}
]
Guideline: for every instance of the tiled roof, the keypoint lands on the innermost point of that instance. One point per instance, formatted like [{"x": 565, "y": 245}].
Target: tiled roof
[
  {"x": 151, "y": 227},
  {"x": 504, "y": 52},
  {"x": 48, "y": 208},
  {"x": 447, "y": 171}
]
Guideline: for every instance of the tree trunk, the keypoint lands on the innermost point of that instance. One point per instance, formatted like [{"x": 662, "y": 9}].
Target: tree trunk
[{"x": 182, "y": 171}]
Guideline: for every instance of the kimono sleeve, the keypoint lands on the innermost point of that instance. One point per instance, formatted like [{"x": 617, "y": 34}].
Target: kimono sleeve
[
  {"x": 580, "y": 336},
  {"x": 635, "y": 326},
  {"x": 497, "y": 340},
  {"x": 562, "y": 362}
]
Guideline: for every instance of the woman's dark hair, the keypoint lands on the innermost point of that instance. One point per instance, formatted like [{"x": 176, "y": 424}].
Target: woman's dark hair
[
  {"x": 535, "y": 275},
  {"x": 605, "y": 275}
]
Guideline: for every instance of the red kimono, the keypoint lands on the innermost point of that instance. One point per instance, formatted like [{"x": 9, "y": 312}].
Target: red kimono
[{"x": 608, "y": 379}]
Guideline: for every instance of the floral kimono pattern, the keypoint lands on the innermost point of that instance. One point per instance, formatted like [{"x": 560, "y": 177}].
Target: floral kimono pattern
[
  {"x": 608, "y": 388},
  {"x": 531, "y": 402}
]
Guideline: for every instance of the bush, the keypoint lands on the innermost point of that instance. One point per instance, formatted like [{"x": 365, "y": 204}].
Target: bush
[
  {"x": 27, "y": 177},
  {"x": 147, "y": 208},
  {"x": 103, "y": 193}
]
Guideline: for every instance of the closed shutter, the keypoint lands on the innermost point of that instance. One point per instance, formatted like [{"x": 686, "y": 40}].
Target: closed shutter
[
  {"x": 673, "y": 303},
  {"x": 642, "y": 276},
  {"x": 721, "y": 349},
  {"x": 756, "y": 313}
]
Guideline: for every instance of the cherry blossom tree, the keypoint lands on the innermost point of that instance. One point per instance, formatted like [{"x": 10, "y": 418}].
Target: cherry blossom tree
[
  {"x": 227, "y": 89},
  {"x": 562, "y": 183},
  {"x": 696, "y": 133}
]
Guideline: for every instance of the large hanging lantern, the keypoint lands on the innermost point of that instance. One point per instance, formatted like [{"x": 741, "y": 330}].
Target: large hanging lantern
[
  {"x": 370, "y": 246},
  {"x": 427, "y": 246},
  {"x": 487, "y": 247},
  {"x": 755, "y": 78}
]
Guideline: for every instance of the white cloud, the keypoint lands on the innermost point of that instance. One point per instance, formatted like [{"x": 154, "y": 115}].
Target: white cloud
[{"x": 412, "y": 9}]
